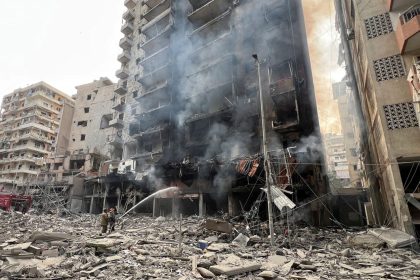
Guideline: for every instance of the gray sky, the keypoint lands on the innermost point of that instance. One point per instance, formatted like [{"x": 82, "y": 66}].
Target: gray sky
[{"x": 62, "y": 42}]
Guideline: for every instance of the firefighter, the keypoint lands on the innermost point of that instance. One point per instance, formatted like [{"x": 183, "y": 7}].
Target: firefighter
[{"x": 104, "y": 221}]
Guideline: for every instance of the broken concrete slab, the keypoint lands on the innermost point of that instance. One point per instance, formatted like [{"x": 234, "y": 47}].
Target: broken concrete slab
[
  {"x": 50, "y": 253},
  {"x": 394, "y": 238},
  {"x": 94, "y": 271},
  {"x": 267, "y": 274},
  {"x": 218, "y": 225},
  {"x": 16, "y": 247},
  {"x": 241, "y": 240},
  {"x": 234, "y": 270},
  {"x": 366, "y": 241},
  {"x": 49, "y": 236},
  {"x": 205, "y": 272},
  {"x": 103, "y": 243}
]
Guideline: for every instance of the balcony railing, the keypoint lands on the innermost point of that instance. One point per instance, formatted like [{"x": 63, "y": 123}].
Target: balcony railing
[
  {"x": 160, "y": 40},
  {"x": 155, "y": 61},
  {"x": 157, "y": 10},
  {"x": 408, "y": 30},
  {"x": 128, "y": 15},
  {"x": 208, "y": 11},
  {"x": 158, "y": 24},
  {"x": 158, "y": 76}
]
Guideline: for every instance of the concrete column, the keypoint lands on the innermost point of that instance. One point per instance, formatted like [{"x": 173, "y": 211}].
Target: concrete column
[
  {"x": 175, "y": 207},
  {"x": 231, "y": 205},
  {"x": 155, "y": 207},
  {"x": 104, "y": 205},
  {"x": 92, "y": 200},
  {"x": 118, "y": 199},
  {"x": 134, "y": 201},
  {"x": 201, "y": 206}
]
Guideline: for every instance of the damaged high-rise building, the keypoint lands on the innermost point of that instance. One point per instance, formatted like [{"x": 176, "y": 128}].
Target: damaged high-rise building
[
  {"x": 380, "y": 42},
  {"x": 191, "y": 116}
]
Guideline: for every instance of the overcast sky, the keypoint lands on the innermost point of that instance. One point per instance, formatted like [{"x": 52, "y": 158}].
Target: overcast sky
[{"x": 62, "y": 42}]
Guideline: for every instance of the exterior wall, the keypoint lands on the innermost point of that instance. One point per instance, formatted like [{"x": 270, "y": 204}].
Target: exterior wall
[
  {"x": 29, "y": 131},
  {"x": 393, "y": 132}
]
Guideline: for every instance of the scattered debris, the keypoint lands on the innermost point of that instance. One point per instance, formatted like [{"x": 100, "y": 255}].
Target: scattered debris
[{"x": 54, "y": 247}]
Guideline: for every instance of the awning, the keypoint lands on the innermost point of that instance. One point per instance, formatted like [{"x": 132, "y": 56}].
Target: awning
[{"x": 280, "y": 199}]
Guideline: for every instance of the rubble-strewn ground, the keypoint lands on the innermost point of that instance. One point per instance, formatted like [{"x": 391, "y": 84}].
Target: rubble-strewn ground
[{"x": 147, "y": 248}]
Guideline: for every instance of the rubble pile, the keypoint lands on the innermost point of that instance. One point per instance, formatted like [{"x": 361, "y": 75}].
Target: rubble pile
[{"x": 70, "y": 247}]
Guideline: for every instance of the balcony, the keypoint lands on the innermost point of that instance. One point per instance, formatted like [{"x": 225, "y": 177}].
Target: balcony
[
  {"x": 212, "y": 49},
  {"x": 157, "y": 10},
  {"x": 120, "y": 107},
  {"x": 155, "y": 91},
  {"x": 281, "y": 87},
  {"x": 159, "y": 76},
  {"x": 151, "y": 130},
  {"x": 214, "y": 73},
  {"x": 212, "y": 29},
  {"x": 157, "y": 42},
  {"x": 128, "y": 15},
  {"x": 158, "y": 24},
  {"x": 122, "y": 73},
  {"x": 127, "y": 28},
  {"x": 208, "y": 11},
  {"x": 408, "y": 30},
  {"x": 400, "y": 5},
  {"x": 126, "y": 43},
  {"x": 117, "y": 123},
  {"x": 155, "y": 61},
  {"x": 121, "y": 87},
  {"x": 124, "y": 57},
  {"x": 130, "y": 3}
]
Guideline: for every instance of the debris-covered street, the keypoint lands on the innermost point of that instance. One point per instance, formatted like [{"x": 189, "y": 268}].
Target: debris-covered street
[{"x": 71, "y": 247}]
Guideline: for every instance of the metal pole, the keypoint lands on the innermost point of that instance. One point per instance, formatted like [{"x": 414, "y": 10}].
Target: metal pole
[{"x": 267, "y": 169}]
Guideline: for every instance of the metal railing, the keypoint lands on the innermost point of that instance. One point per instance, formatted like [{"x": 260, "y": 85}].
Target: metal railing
[{"x": 410, "y": 13}]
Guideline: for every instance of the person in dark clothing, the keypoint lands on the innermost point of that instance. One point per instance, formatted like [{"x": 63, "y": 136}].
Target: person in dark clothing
[
  {"x": 104, "y": 221},
  {"x": 111, "y": 219}
]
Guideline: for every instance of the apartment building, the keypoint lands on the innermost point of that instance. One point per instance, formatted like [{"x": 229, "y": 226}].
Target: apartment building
[
  {"x": 382, "y": 41},
  {"x": 190, "y": 86},
  {"x": 35, "y": 122}
]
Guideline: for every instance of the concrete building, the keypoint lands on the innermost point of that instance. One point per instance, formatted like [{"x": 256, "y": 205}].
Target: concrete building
[
  {"x": 190, "y": 87},
  {"x": 35, "y": 124},
  {"x": 338, "y": 165},
  {"x": 351, "y": 129},
  {"x": 382, "y": 43}
]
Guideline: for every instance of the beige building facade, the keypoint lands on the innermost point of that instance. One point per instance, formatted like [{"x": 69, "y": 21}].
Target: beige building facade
[
  {"x": 383, "y": 40},
  {"x": 35, "y": 125}
]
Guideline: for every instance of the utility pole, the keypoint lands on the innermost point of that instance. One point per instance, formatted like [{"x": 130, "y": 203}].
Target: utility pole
[{"x": 267, "y": 167}]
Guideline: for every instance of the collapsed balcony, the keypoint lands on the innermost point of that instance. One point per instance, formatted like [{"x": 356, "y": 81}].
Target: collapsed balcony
[
  {"x": 156, "y": 10},
  {"x": 208, "y": 11},
  {"x": 158, "y": 24}
]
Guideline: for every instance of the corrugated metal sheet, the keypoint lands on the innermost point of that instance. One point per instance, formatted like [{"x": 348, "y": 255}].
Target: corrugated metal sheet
[{"x": 280, "y": 199}]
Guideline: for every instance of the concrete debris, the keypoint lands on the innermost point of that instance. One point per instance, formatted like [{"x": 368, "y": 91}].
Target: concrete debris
[
  {"x": 394, "y": 238},
  {"x": 148, "y": 249},
  {"x": 218, "y": 225}
]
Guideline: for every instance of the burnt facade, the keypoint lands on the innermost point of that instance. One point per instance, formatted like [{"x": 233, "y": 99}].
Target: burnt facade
[{"x": 191, "y": 113}]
